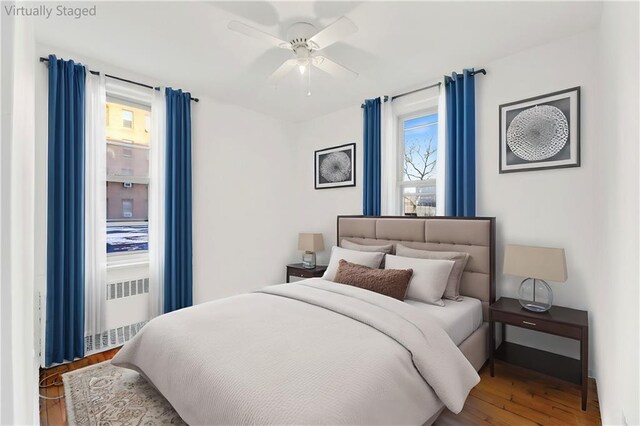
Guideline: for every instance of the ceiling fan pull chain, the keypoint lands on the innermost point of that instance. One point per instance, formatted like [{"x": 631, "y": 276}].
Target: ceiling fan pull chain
[{"x": 309, "y": 79}]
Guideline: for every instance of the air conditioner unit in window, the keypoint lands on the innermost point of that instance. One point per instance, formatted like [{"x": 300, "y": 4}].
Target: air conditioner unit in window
[
  {"x": 127, "y": 185},
  {"x": 127, "y": 214}
]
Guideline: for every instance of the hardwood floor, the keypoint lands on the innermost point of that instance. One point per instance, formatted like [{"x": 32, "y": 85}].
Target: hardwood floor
[{"x": 514, "y": 396}]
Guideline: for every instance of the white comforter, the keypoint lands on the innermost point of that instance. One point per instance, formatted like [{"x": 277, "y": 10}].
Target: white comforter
[{"x": 313, "y": 352}]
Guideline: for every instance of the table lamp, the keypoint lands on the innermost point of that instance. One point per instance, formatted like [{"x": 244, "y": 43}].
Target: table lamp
[
  {"x": 310, "y": 244},
  {"x": 535, "y": 264}
]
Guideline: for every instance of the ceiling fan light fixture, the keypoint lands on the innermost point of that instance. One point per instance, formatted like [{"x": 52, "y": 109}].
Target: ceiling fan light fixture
[
  {"x": 303, "y": 61},
  {"x": 304, "y": 40}
]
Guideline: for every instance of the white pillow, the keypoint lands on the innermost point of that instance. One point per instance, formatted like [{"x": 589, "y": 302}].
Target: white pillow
[
  {"x": 370, "y": 259},
  {"x": 429, "y": 278}
]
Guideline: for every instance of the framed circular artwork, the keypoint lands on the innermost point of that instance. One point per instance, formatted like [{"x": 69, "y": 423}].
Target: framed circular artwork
[
  {"x": 335, "y": 167},
  {"x": 541, "y": 132}
]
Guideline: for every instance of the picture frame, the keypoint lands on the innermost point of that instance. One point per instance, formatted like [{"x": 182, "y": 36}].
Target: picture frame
[
  {"x": 335, "y": 167},
  {"x": 540, "y": 133}
]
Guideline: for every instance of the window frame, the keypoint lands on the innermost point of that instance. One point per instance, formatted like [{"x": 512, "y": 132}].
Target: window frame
[
  {"x": 401, "y": 184},
  {"x": 144, "y": 180}
]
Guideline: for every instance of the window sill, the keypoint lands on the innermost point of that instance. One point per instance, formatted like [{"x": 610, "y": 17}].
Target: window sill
[{"x": 127, "y": 260}]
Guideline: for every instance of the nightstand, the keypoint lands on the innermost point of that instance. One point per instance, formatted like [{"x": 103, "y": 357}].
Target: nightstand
[
  {"x": 297, "y": 270},
  {"x": 559, "y": 321}
]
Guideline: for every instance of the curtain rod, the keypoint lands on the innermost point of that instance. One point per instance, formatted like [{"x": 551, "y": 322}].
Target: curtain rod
[
  {"x": 386, "y": 98},
  {"x": 122, "y": 79},
  {"x": 393, "y": 98}
]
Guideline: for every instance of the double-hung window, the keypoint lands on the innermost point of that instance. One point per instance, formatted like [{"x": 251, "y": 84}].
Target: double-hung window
[
  {"x": 417, "y": 163},
  {"x": 127, "y": 179}
]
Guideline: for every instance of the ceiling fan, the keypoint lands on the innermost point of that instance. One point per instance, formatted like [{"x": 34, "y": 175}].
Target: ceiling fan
[{"x": 305, "y": 40}]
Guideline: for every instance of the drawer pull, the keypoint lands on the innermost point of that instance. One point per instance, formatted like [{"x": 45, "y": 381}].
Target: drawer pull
[{"x": 529, "y": 323}]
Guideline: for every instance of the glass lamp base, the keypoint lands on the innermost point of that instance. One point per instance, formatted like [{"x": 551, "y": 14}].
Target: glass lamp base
[
  {"x": 308, "y": 260},
  {"x": 535, "y": 295}
]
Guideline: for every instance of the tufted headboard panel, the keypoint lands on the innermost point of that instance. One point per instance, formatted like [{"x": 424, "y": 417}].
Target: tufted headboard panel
[{"x": 475, "y": 236}]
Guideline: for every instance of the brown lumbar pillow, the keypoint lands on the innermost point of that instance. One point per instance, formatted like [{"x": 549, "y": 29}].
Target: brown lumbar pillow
[{"x": 390, "y": 282}]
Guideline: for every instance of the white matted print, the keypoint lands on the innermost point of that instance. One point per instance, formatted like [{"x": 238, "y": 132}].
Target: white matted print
[
  {"x": 541, "y": 132},
  {"x": 335, "y": 167}
]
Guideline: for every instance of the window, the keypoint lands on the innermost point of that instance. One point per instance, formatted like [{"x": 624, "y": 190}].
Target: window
[
  {"x": 127, "y": 207},
  {"x": 418, "y": 146},
  {"x": 127, "y": 179},
  {"x": 127, "y": 119}
]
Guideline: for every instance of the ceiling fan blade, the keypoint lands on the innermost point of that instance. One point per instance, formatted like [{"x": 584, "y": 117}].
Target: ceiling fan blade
[
  {"x": 256, "y": 33},
  {"x": 283, "y": 70},
  {"x": 334, "y": 68},
  {"x": 340, "y": 29}
]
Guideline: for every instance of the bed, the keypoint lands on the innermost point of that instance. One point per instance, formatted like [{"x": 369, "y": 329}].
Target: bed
[
  {"x": 475, "y": 236},
  {"x": 317, "y": 352}
]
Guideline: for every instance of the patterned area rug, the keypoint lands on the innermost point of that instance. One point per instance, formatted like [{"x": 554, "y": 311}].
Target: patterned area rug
[{"x": 106, "y": 395}]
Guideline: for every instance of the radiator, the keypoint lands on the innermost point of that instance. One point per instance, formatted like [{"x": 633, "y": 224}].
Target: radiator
[
  {"x": 111, "y": 338},
  {"x": 118, "y": 336},
  {"x": 130, "y": 288}
]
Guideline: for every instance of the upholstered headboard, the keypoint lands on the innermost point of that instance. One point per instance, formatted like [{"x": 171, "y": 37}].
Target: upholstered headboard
[{"x": 475, "y": 236}]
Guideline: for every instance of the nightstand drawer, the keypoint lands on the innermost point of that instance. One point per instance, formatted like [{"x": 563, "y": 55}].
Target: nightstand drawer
[
  {"x": 299, "y": 271},
  {"x": 301, "y": 274},
  {"x": 539, "y": 324}
]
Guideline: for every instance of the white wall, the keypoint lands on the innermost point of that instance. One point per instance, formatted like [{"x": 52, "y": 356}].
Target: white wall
[
  {"x": 245, "y": 200},
  {"x": 6, "y": 79},
  {"x": 319, "y": 208},
  {"x": 616, "y": 308},
  {"x": 18, "y": 360}
]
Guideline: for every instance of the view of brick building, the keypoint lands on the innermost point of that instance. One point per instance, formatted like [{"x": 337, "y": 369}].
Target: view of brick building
[
  {"x": 127, "y": 162},
  {"x": 126, "y": 203}
]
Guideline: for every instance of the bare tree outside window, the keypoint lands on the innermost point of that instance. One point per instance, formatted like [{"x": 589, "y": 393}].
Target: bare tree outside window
[
  {"x": 419, "y": 159},
  {"x": 419, "y": 165}
]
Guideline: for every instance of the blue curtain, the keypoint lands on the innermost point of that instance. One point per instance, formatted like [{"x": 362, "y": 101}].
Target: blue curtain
[
  {"x": 65, "y": 213},
  {"x": 372, "y": 153},
  {"x": 460, "y": 199},
  {"x": 178, "y": 275}
]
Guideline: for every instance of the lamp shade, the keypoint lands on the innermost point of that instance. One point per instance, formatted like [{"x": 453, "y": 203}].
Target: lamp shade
[
  {"x": 310, "y": 242},
  {"x": 542, "y": 263}
]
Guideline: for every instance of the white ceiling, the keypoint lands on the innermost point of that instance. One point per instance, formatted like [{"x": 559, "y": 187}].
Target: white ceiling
[{"x": 399, "y": 45}]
